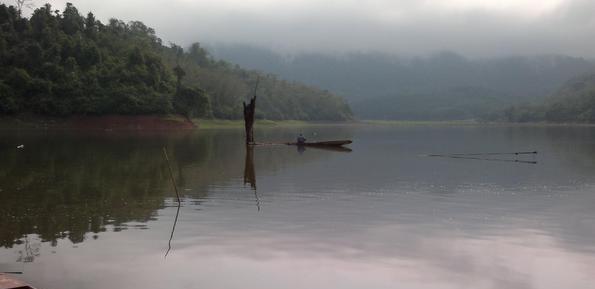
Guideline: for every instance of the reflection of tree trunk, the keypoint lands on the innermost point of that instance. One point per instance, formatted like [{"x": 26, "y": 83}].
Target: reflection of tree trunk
[{"x": 249, "y": 173}]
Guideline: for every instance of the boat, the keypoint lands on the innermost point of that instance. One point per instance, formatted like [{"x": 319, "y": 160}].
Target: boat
[
  {"x": 332, "y": 143},
  {"x": 341, "y": 149},
  {"x": 7, "y": 282}
]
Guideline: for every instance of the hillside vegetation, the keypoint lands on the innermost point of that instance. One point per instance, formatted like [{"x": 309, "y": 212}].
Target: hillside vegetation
[
  {"x": 62, "y": 63},
  {"x": 443, "y": 86},
  {"x": 574, "y": 102}
]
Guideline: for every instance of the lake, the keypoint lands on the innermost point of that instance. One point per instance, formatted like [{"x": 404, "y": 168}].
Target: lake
[{"x": 97, "y": 209}]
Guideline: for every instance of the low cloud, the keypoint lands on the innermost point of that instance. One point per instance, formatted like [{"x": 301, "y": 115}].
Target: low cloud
[{"x": 412, "y": 27}]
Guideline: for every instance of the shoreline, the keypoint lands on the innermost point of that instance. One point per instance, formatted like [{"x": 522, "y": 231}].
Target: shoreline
[
  {"x": 471, "y": 123},
  {"x": 106, "y": 123},
  {"x": 177, "y": 122},
  {"x": 264, "y": 123}
]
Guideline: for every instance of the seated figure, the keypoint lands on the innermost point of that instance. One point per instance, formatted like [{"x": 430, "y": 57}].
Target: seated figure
[{"x": 301, "y": 139}]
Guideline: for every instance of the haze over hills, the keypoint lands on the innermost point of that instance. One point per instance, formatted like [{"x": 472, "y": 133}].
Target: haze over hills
[
  {"x": 441, "y": 86},
  {"x": 574, "y": 102},
  {"x": 480, "y": 79},
  {"x": 383, "y": 56}
]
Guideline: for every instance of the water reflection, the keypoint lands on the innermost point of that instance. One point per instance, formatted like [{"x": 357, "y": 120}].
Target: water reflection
[
  {"x": 368, "y": 219},
  {"x": 302, "y": 149},
  {"x": 250, "y": 173},
  {"x": 173, "y": 229},
  {"x": 62, "y": 186},
  {"x": 30, "y": 251}
]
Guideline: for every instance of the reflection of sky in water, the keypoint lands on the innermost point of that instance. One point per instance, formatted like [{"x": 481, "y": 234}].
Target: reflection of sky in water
[{"x": 382, "y": 216}]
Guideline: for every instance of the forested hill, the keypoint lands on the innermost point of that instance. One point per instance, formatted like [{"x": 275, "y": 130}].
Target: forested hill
[
  {"x": 440, "y": 86},
  {"x": 62, "y": 63},
  {"x": 574, "y": 102}
]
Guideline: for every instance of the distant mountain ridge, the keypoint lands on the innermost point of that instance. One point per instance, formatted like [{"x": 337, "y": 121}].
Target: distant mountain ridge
[{"x": 375, "y": 82}]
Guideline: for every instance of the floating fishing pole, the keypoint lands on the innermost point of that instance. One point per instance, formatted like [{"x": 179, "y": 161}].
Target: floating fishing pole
[
  {"x": 485, "y": 159},
  {"x": 486, "y": 154}
]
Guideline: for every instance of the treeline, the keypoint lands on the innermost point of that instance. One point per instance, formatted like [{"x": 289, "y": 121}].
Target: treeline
[
  {"x": 228, "y": 84},
  {"x": 573, "y": 103},
  {"x": 62, "y": 63},
  {"x": 460, "y": 103},
  {"x": 442, "y": 86}
]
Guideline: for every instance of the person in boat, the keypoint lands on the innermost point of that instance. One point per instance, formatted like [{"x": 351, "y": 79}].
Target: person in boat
[{"x": 301, "y": 139}]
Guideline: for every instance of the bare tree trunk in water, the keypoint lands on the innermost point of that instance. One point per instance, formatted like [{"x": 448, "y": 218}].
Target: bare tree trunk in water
[{"x": 249, "y": 117}]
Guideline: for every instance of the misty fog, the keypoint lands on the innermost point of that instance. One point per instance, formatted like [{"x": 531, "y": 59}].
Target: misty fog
[{"x": 405, "y": 27}]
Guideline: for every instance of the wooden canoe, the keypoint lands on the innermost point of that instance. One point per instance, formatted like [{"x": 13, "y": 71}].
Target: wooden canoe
[
  {"x": 341, "y": 149},
  {"x": 7, "y": 282},
  {"x": 333, "y": 143}
]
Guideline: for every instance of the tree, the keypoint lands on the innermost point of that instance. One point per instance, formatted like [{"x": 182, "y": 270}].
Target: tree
[
  {"x": 180, "y": 73},
  {"x": 72, "y": 21},
  {"x": 24, "y": 3},
  {"x": 198, "y": 54},
  {"x": 192, "y": 102},
  {"x": 91, "y": 25}
]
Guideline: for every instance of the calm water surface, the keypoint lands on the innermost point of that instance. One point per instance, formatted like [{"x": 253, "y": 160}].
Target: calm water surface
[{"x": 96, "y": 210}]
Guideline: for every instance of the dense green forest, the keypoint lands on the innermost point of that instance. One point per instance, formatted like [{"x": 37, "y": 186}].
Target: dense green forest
[
  {"x": 442, "y": 86},
  {"x": 60, "y": 63},
  {"x": 573, "y": 103}
]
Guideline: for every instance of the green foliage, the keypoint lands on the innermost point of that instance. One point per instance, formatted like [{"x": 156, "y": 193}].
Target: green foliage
[
  {"x": 66, "y": 64},
  {"x": 8, "y": 102},
  {"x": 573, "y": 103},
  {"x": 520, "y": 113},
  {"x": 228, "y": 85},
  {"x": 192, "y": 102}
]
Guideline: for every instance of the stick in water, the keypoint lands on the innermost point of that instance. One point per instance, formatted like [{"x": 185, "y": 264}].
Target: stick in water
[
  {"x": 485, "y": 154},
  {"x": 485, "y": 159},
  {"x": 171, "y": 174}
]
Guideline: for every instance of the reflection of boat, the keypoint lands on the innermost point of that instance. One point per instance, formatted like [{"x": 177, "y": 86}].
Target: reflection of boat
[
  {"x": 333, "y": 143},
  {"x": 327, "y": 148},
  {"x": 10, "y": 283}
]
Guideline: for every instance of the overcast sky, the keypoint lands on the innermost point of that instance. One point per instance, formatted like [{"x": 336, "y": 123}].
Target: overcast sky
[{"x": 475, "y": 28}]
